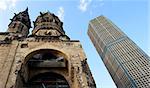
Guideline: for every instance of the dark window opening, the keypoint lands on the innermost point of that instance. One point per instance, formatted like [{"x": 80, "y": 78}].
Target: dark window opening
[
  {"x": 47, "y": 80},
  {"x": 56, "y": 22},
  {"x": 43, "y": 56},
  {"x": 47, "y": 59}
]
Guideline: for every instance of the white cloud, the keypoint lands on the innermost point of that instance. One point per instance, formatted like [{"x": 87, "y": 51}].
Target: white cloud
[
  {"x": 60, "y": 13},
  {"x": 4, "y": 4},
  {"x": 84, "y": 4},
  {"x": 13, "y": 2}
]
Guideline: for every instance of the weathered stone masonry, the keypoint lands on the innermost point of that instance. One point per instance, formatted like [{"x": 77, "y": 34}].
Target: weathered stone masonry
[{"x": 46, "y": 58}]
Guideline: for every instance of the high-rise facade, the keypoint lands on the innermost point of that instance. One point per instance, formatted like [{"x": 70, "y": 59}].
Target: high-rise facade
[
  {"x": 127, "y": 64},
  {"x": 47, "y": 58}
]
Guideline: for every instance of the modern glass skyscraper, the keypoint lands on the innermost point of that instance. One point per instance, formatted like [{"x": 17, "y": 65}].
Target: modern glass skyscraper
[{"x": 127, "y": 64}]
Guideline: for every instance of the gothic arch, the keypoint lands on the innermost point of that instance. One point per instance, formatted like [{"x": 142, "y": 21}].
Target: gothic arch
[
  {"x": 56, "y": 52},
  {"x": 45, "y": 60}
]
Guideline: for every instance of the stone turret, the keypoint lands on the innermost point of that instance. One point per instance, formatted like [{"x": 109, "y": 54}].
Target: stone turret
[
  {"x": 47, "y": 24},
  {"x": 20, "y": 24},
  {"x": 47, "y": 58}
]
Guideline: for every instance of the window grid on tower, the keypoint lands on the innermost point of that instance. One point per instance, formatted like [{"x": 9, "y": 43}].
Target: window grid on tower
[
  {"x": 112, "y": 31},
  {"x": 116, "y": 34},
  {"x": 120, "y": 72},
  {"x": 146, "y": 69},
  {"x": 125, "y": 61},
  {"x": 105, "y": 60},
  {"x": 115, "y": 66},
  {"x": 135, "y": 73},
  {"x": 95, "y": 42},
  {"x": 111, "y": 58},
  {"x": 125, "y": 80},
  {"x": 100, "y": 41},
  {"x": 143, "y": 82}
]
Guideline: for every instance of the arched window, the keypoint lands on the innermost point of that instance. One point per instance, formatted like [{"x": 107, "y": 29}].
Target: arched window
[
  {"x": 39, "y": 61},
  {"x": 47, "y": 58},
  {"x": 47, "y": 80}
]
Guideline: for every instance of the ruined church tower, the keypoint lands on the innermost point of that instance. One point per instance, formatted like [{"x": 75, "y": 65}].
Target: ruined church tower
[{"x": 45, "y": 59}]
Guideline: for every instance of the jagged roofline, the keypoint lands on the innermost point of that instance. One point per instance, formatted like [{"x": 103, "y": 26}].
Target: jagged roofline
[
  {"x": 27, "y": 23},
  {"x": 43, "y": 14}
]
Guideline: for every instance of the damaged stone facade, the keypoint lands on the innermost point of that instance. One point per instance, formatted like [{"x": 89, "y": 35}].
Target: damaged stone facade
[{"x": 45, "y": 59}]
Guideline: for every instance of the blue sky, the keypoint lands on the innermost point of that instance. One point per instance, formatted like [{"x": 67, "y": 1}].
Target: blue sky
[{"x": 132, "y": 16}]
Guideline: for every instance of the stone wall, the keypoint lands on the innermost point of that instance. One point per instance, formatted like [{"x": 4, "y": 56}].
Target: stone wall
[{"x": 14, "y": 58}]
